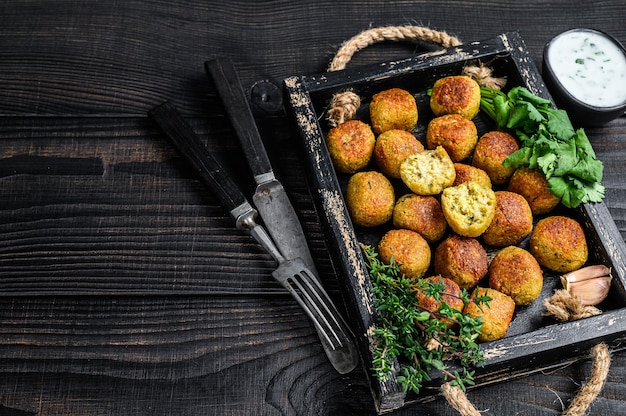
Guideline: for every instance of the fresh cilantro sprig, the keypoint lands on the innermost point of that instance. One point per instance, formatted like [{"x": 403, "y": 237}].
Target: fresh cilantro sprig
[
  {"x": 549, "y": 143},
  {"x": 417, "y": 338}
]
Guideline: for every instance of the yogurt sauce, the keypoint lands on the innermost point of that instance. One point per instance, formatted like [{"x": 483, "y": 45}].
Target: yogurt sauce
[{"x": 590, "y": 66}]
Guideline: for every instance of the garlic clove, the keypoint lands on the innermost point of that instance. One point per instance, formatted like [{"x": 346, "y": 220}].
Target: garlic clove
[
  {"x": 588, "y": 287},
  {"x": 589, "y": 272}
]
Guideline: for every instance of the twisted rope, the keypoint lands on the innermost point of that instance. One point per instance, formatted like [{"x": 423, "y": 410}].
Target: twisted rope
[
  {"x": 344, "y": 105},
  {"x": 565, "y": 307},
  {"x": 457, "y": 399},
  {"x": 391, "y": 33}
]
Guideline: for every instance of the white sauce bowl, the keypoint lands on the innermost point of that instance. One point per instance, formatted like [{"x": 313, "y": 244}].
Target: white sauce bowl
[{"x": 585, "y": 70}]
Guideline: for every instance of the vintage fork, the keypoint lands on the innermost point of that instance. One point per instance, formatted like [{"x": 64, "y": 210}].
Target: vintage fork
[{"x": 292, "y": 274}]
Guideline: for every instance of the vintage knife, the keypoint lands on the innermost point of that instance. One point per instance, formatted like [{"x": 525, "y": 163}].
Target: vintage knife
[{"x": 270, "y": 197}]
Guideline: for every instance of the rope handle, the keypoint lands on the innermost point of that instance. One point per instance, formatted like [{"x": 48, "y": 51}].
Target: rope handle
[
  {"x": 600, "y": 364},
  {"x": 343, "y": 107}
]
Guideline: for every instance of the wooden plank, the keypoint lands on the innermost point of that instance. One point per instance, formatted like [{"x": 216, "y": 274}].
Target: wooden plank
[
  {"x": 126, "y": 57},
  {"x": 105, "y": 205},
  {"x": 213, "y": 355},
  {"x": 117, "y": 59}
]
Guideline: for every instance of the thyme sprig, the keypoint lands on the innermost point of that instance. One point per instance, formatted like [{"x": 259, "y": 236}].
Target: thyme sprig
[{"x": 417, "y": 338}]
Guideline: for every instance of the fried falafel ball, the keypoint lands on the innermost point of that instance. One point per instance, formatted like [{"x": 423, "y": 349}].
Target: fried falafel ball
[
  {"x": 420, "y": 213},
  {"x": 408, "y": 249},
  {"x": 457, "y": 94},
  {"x": 515, "y": 272},
  {"x": 467, "y": 173},
  {"x": 454, "y": 133},
  {"x": 428, "y": 172},
  {"x": 469, "y": 208},
  {"x": 351, "y": 145},
  {"x": 392, "y": 148},
  {"x": 451, "y": 294},
  {"x": 533, "y": 185},
  {"x": 491, "y": 150},
  {"x": 391, "y": 109},
  {"x": 462, "y": 259},
  {"x": 559, "y": 244},
  {"x": 512, "y": 221},
  {"x": 496, "y": 315},
  {"x": 370, "y": 198}
]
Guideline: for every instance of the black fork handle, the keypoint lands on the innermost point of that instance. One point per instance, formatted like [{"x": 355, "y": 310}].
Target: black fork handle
[{"x": 188, "y": 144}]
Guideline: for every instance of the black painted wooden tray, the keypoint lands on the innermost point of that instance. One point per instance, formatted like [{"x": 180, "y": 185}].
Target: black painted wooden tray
[{"x": 534, "y": 342}]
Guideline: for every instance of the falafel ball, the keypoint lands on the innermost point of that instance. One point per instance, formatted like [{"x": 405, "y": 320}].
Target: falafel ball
[
  {"x": 491, "y": 150},
  {"x": 457, "y": 94},
  {"x": 351, "y": 145},
  {"x": 455, "y": 133},
  {"x": 512, "y": 221},
  {"x": 391, "y": 109},
  {"x": 467, "y": 173},
  {"x": 450, "y": 294},
  {"x": 428, "y": 172},
  {"x": 533, "y": 185},
  {"x": 370, "y": 198},
  {"x": 559, "y": 244},
  {"x": 392, "y": 148},
  {"x": 421, "y": 213},
  {"x": 469, "y": 208},
  {"x": 462, "y": 259},
  {"x": 496, "y": 315},
  {"x": 408, "y": 249},
  {"x": 515, "y": 272}
]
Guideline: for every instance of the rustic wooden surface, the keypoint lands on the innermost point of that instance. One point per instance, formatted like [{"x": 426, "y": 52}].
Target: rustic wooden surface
[{"x": 125, "y": 288}]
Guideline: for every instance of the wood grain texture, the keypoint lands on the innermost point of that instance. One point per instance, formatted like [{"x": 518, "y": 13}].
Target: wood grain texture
[{"x": 125, "y": 288}]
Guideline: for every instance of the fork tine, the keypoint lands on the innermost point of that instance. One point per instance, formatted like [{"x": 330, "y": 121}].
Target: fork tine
[
  {"x": 333, "y": 332},
  {"x": 285, "y": 275},
  {"x": 314, "y": 314},
  {"x": 320, "y": 302}
]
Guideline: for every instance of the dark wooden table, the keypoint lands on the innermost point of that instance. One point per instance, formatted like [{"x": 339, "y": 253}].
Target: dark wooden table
[{"x": 125, "y": 288}]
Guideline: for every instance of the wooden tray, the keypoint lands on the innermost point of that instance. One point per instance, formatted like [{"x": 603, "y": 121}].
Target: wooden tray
[{"x": 534, "y": 342}]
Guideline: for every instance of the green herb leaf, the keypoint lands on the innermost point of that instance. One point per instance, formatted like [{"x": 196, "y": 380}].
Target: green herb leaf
[
  {"x": 549, "y": 143},
  {"x": 560, "y": 125},
  {"x": 418, "y": 339}
]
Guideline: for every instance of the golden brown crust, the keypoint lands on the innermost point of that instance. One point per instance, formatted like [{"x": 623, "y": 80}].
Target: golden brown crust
[
  {"x": 515, "y": 272},
  {"x": 512, "y": 221},
  {"x": 451, "y": 294},
  {"x": 370, "y": 198},
  {"x": 533, "y": 186},
  {"x": 496, "y": 316},
  {"x": 428, "y": 172},
  {"x": 559, "y": 244},
  {"x": 391, "y": 109},
  {"x": 351, "y": 145},
  {"x": 408, "y": 249},
  {"x": 461, "y": 259},
  {"x": 422, "y": 214},
  {"x": 469, "y": 208},
  {"x": 455, "y": 95},
  {"x": 467, "y": 173},
  {"x": 392, "y": 148},
  {"x": 491, "y": 150},
  {"x": 454, "y": 133}
]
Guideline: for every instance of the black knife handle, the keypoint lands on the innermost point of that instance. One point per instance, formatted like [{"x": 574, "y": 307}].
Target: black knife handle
[
  {"x": 229, "y": 88},
  {"x": 188, "y": 144}
]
